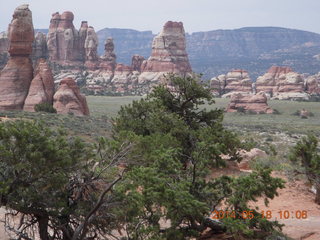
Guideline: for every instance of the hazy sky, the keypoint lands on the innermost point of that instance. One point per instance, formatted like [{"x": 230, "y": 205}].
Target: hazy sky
[{"x": 197, "y": 15}]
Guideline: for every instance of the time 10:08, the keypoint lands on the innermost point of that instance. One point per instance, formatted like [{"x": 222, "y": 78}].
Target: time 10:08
[{"x": 298, "y": 214}]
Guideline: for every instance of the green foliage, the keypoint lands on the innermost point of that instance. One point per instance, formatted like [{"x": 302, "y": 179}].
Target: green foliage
[
  {"x": 45, "y": 107},
  {"x": 276, "y": 112},
  {"x": 53, "y": 180},
  {"x": 177, "y": 143},
  {"x": 306, "y": 153}
]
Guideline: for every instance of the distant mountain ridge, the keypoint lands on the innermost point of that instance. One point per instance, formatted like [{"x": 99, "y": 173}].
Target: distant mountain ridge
[
  {"x": 127, "y": 43},
  {"x": 211, "y": 53},
  {"x": 215, "y": 52}
]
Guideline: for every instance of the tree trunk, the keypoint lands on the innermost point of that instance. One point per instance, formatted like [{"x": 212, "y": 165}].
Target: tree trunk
[
  {"x": 317, "y": 200},
  {"x": 43, "y": 227}
]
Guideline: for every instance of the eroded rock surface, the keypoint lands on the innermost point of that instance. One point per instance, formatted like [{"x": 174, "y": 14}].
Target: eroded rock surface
[
  {"x": 68, "y": 99},
  {"x": 235, "y": 81},
  {"x": 16, "y": 76},
  {"x": 253, "y": 103},
  {"x": 282, "y": 83},
  {"x": 42, "y": 87},
  {"x": 63, "y": 39},
  {"x": 168, "y": 54}
]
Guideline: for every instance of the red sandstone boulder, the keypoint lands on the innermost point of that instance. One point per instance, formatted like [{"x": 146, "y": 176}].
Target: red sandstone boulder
[
  {"x": 255, "y": 103},
  {"x": 42, "y": 87},
  {"x": 16, "y": 76},
  {"x": 68, "y": 99},
  {"x": 168, "y": 54}
]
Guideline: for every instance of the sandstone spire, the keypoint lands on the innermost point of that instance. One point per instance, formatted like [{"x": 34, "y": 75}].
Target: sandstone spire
[
  {"x": 16, "y": 76},
  {"x": 168, "y": 54}
]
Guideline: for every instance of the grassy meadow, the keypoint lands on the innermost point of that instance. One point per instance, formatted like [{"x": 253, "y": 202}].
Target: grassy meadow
[
  {"x": 273, "y": 133},
  {"x": 283, "y": 122}
]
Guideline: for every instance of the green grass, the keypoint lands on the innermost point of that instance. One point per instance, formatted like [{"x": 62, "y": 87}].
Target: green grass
[{"x": 284, "y": 122}]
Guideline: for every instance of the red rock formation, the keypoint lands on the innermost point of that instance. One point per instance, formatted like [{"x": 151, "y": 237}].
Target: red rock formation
[
  {"x": 69, "y": 99},
  {"x": 122, "y": 76},
  {"x": 39, "y": 47},
  {"x": 255, "y": 103},
  {"x": 16, "y": 76},
  {"x": 91, "y": 46},
  {"x": 42, "y": 87},
  {"x": 4, "y": 42},
  {"x": 168, "y": 54},
  {"x": 63, "y": 39},
  {"x": 235, "y": 81},
  {"x": 276, "y": 71},
  {"x": 217, "y": 85},
  {"x": 136, "y": 62},
  {"x": 312, "y": 84},
  {"x": 238, "y": 81},
  {"x": 4, "y": 45},
  {"x": 280, "y": 80},
  {"x": 82, "y": 38},
  {"x": 109, "y": 57}
]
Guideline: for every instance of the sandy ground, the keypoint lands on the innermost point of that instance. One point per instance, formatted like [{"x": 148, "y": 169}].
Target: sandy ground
[
  {"x": 3, "y": 234},
  {"x": 296, "y": 198}
]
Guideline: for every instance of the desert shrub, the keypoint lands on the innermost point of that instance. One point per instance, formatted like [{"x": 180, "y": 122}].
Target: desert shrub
[
  {"x": 45, "y": 107},
  {"x": 241, "y": 110},
  {"x": 251, "y": 112},
  {"x": 276, "y": 112},
  {"x": 306, "y": 153},
  {"x": 296, "y": 113}
]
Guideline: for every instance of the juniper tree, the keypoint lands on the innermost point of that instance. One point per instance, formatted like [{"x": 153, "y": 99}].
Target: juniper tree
[
  {"x": 306, "y": 152},
  {"x": 177, "y": 144},
  {"x": 55, "y": 186}
]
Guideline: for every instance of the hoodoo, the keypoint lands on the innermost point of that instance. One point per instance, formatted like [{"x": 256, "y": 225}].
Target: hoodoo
[
  {"x": 168, "y": 54},
  {"x": 16, "y": 76}
]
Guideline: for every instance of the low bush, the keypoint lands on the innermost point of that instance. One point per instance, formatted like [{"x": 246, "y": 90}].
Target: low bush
[{"x": 45, "y": 107}]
